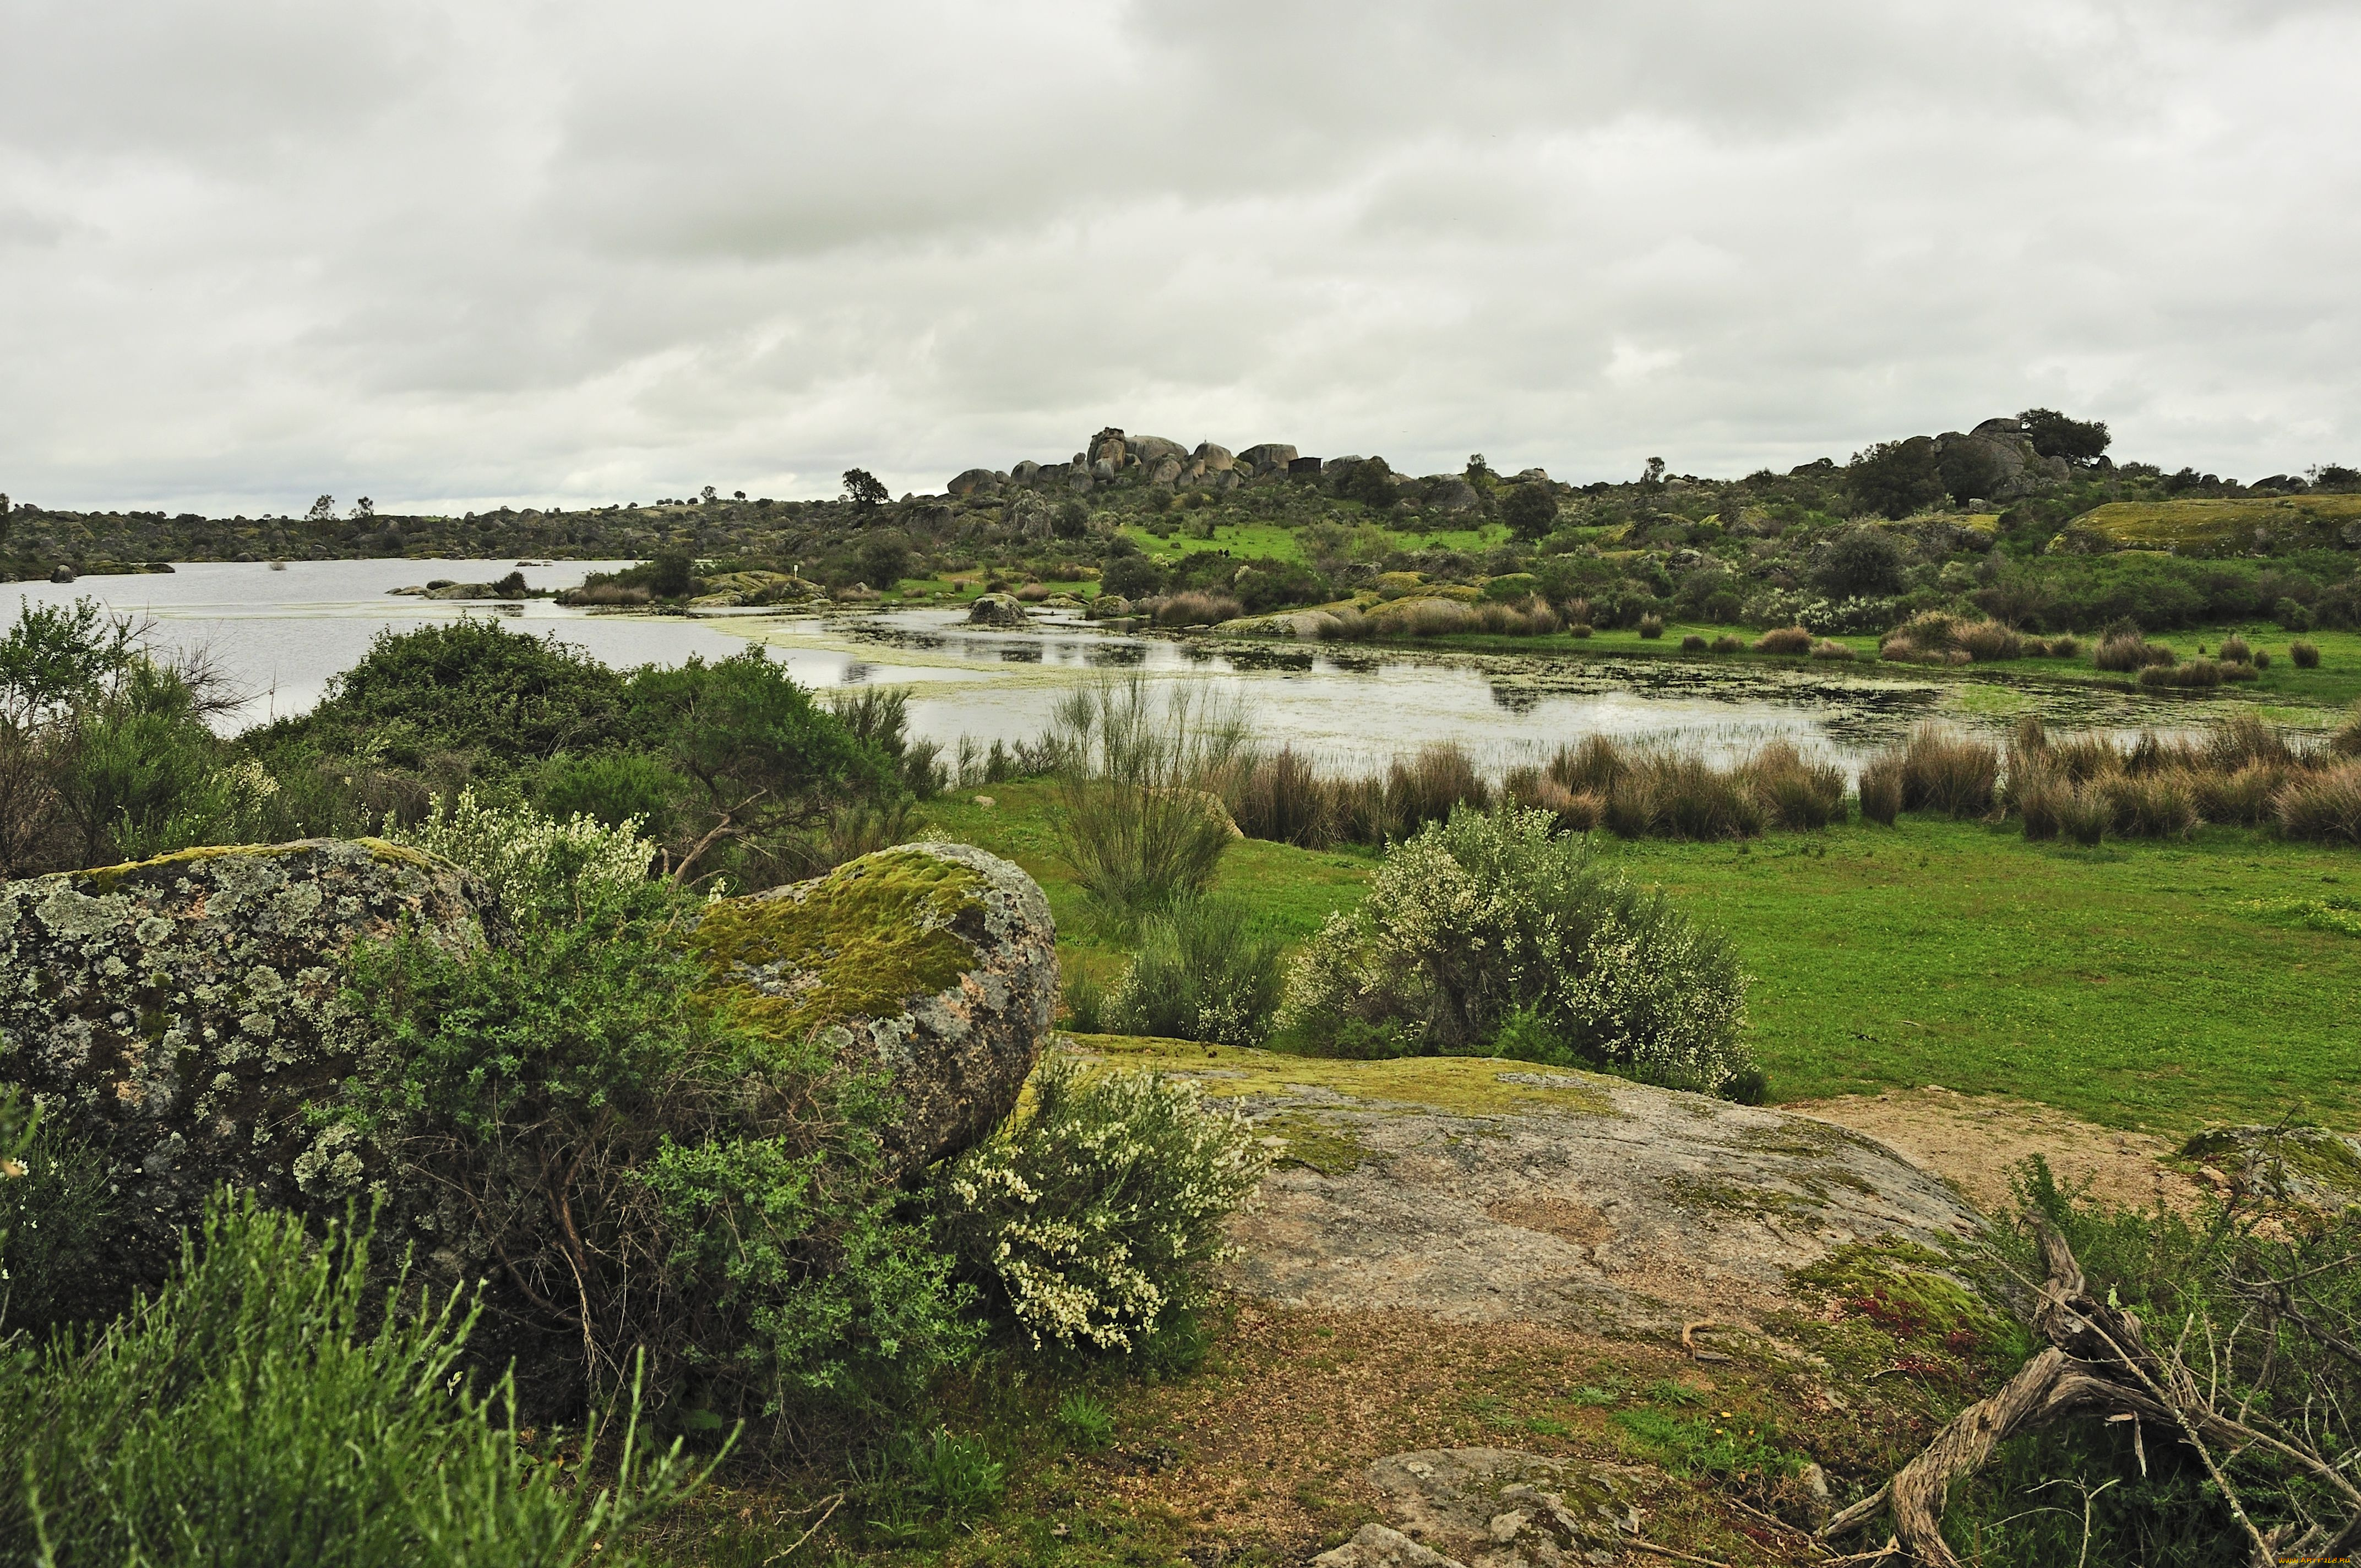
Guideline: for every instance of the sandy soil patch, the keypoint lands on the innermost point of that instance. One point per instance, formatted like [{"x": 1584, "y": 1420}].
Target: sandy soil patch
[{"x": 1973, "y": 1140}]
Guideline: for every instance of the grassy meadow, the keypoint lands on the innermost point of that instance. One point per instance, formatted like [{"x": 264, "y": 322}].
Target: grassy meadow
[{"x": 2161, "y": 985}]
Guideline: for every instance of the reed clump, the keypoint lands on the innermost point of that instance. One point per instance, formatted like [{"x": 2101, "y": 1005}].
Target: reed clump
[{"x": 1950, "y": 773}]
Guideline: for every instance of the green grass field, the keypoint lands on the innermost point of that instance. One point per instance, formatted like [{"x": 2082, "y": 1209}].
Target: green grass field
[
  {"x": 1275, "y": 541},
  {"x": 2162, "y": 986}
]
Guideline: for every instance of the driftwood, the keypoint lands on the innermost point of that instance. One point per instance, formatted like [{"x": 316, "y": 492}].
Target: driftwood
[{"x": 2098, "y": 1363}]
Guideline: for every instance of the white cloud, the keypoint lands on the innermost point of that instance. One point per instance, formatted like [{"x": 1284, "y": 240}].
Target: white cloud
[{"x": 250, "y": 249}]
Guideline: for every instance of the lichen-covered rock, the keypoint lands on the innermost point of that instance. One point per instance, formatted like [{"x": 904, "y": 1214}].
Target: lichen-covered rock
[
  {"x": 936, "y": 961},
  {"x": 182, "y": 1012},
  {"x": 2308, "y": 1165},
  {"x": 1495, "y": 1508},
  {"x": 998, "y": 610}
]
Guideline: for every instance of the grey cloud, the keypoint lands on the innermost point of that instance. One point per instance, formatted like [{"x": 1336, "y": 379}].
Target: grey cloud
[{"x": 251, "y": 250}]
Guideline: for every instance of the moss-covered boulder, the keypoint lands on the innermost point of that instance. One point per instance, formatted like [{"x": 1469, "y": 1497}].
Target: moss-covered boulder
[
  {"x": 181, "y": 1012},
  {"x": 937, "y": 962}
]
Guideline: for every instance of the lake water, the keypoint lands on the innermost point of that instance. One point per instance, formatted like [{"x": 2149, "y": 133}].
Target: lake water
[{"x": 281, "y": 635}]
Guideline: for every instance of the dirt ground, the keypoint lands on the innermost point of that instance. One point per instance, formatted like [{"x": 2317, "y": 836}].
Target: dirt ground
[{"x": 1973, "y": 1140}]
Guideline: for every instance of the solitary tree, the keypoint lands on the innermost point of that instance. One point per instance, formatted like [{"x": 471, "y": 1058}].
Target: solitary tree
[
  {"x": 1896, "y": 478},
  {"x": 2053, "y": 435},
  {"x": 863, "y": 489},
  {"x": 706, "y": 495},
  {"x": 323, "y": 510},
  {"x": 1655, "y": 474},
  {"x": 1530, "y": 510},
  {"x": 364, "y": 508},
  {"x": 1968, "y": 469}
]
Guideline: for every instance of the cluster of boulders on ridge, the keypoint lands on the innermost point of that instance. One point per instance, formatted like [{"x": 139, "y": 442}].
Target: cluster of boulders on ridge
[{"x": 1113, "y": 457}]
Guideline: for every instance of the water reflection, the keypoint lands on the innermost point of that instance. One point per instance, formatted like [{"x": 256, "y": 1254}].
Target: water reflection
[{"x": 283, "y": 635}]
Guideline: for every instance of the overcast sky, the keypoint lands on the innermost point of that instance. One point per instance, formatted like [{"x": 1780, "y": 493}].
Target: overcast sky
[{"x": 460, "y": 254}]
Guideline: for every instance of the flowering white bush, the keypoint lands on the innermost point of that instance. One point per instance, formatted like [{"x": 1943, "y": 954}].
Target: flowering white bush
[
  {"x": 528, "y": 859},
  {"x": 1491, "y": 920},
  {"x": 1091, "y": 1217}
]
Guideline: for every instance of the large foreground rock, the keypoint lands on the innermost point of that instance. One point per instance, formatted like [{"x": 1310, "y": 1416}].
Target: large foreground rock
[
  {"x": 1480, "y": 1190},
  {"x": 182, "y": 1012},
  {"x": 936, "y": 961}
]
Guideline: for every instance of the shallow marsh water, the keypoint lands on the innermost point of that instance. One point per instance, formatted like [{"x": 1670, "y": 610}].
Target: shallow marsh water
[{"x": 283, "y": 634}]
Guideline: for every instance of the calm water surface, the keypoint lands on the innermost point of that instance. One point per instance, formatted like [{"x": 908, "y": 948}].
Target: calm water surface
[{"x": 281, "y": 635}]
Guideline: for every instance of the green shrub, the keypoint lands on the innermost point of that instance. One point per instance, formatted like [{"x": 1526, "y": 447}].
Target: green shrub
[
  {"x": 536, "y": 867},
  {"x": 649, "y": 1170},
  {"x": 1491, "y": 914},
  {"x": 57, "y": 1214},
  {"x": 1138, "y": 819},
  {"x": 1085, "y": 1424},
  {"x": 1093, "y": 1220},
  {"x": 1201, "y": 974},
  {"x": 267, "y": 1408}
]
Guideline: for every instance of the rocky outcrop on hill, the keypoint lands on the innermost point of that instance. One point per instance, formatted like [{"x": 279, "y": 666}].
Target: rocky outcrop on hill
[
  {"x": 2015, "y": 468},
  {"x": 936, "y": 961},
  {"x": 1478, "y": 1191},
  {"x": 182, "y": 1012}
]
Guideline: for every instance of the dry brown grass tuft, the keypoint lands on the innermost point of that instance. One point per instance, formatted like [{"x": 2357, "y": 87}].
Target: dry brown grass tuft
[
  {"x": 1881, "y": 788},
  {"x": 1949, "y": 773},
  {"x": 2325, "y": 805},
  {"x": 1785, "y": 640}
]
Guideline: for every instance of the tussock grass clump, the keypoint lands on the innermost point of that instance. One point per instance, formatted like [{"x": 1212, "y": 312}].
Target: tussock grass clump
[
  {"x": 2304, "y": 655},
  {"x": 1729, "y": 642},
  {"x": 2346, "y": 740},
  {"x": 1693, "y": 643},
  {"x": 1579, "y": 629},
  {"x": 1195, "y": 608},
  {"x": 2194, "y": 674},
  {"x": 2125, "y": 651},
  {"x": 1427, "y": 786},
  {"x": 1797, "y": 793},
  {"x": 1935, "y": 637},
  {"x": 1828, "y": 648},
  {"x": 1948, "y": 773},
  {"x": 1681, "y": 796},
  {"x": 1881, "y": 788},
  {"x": 2150, "y": 805},
  {"x": 2244, "y": 796},
  {"x": 1791, "y": 640},
  {"x": 2235, "y": 651},
  {"x": 1651, "y": 627},
  {"x": 1280, "y": 796},
  {"x": 2325, "y": 805},
  {"x": 2084, "y": 816},
  {"x": 1535, "y": 789}
]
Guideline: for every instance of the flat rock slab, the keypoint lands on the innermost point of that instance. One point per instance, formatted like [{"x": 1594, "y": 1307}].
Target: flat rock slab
[
  {"x": 1477, "y": 1190},
  {"x": 1494, "y": 1507}
]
